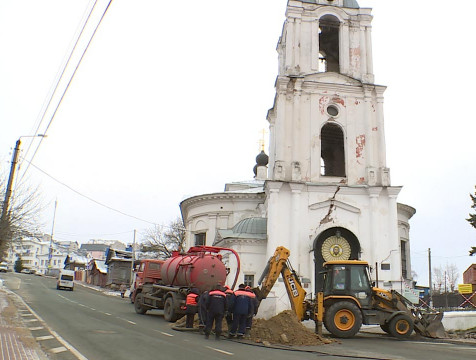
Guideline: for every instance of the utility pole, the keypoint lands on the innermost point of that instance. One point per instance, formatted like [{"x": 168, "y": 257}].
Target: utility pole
[
  {"x": 50, "y": 252},
  {"x": 446, "y": 293},
  {"x": 429, "y": 275},
  {"x": 10, "y": 181},
  {"x": 133, "y": 258}
]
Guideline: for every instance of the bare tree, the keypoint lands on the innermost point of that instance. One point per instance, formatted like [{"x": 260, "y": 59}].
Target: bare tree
[
  {"x": 438, "y": 278},
  {"x": 161, "y": 241},
  {"x": 452, "y": 275},
  {"x": 445, "y": 278},
  {"x": 22, "y": 219}
]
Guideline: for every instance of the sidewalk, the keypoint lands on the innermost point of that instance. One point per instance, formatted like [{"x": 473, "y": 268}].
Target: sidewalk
[{"x": 16, "y": 342}]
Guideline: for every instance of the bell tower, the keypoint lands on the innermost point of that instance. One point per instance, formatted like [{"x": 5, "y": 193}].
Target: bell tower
[
  {"x": 326, "y": 125},
  {"x": 328, "y": 191}
]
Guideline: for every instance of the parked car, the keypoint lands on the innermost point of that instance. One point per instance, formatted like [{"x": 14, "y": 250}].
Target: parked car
[
  {"x": 3, "y": 267},
  {"x": 28, "y": 271}
]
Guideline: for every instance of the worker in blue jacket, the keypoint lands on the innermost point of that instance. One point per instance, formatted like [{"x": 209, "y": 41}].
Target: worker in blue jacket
[
  {"x": 229, "y": 303},
  {"x": 216, "y": 308},
  {"x": 254, "y": 310},
  {"x": 202, "y": 312},
  {"x": 242, "y": 308}
]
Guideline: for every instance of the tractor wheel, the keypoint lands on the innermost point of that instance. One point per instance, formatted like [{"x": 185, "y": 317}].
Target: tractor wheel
[
  {"x": 169, "y": 311},
  {"x": 139, "y": 308},
  {"x": 385, "y": 327},
  {"x": 343, "y": 319},
  {"x": 401, "y": 326}
]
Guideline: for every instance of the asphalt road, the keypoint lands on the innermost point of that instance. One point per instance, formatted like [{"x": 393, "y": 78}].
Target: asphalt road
[{"x": 96, "y": 326}]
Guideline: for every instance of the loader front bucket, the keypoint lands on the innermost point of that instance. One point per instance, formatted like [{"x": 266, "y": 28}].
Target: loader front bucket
[{"x": 430, "y": 325}]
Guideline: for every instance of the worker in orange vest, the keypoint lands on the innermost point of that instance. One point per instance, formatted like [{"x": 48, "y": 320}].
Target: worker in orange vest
[
  {"x": 191, "y": 306},
  {"x": 216, "y": 307}
]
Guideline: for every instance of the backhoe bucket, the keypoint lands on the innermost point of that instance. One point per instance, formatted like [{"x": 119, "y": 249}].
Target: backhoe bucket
[{"x": 430, "y": 325}]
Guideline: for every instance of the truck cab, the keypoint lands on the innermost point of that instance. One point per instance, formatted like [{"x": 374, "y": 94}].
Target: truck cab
[
  {"x": 348, "y": 278},
  {"x": 149, "y": 272}
]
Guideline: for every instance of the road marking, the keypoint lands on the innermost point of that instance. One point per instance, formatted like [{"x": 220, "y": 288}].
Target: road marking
[
  {"x": 166, "y": 334},
  {"x": 107, "y": 314},
  {"x": 130, "y": 322},
  {"x": 46, "y": 337},
  {"x": 58, "y": 350},
  {"x": 432, "y": 343},
  {"x": 67, "y": 345},
  {"x": 92, "y": 309},
  {"x": 36, "y": 328},
  {"x": 25, "y": 315},
  {"x": 30, "y": 320},
  {"x": 220, "y": 351}
]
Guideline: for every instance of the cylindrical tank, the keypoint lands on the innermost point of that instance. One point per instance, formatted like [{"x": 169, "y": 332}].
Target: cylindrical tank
[{"x": 202, "y": 271}]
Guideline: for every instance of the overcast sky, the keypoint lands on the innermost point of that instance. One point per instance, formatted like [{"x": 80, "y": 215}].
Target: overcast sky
[{"x": 171, "y": 97}]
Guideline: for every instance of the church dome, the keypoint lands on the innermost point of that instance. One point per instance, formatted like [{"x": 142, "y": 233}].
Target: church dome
[
  {"x": 351, "y": 4},
  {"x": 262, "y": 159},
  {"x": 254, "y": 225}
]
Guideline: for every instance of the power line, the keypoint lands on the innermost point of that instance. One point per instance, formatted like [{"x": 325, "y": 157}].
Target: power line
[
  {"x": 67, "y": 86},
  {"x": 94, "y": 234},
  {"x": 87, "y": 197},
  {"x": 54, "y": 87}
]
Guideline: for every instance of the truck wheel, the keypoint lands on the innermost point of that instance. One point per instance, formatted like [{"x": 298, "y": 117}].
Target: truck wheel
[
  {"x": 138, "y": 304},
  {"x": 343, "y": 319},
  {"x": 169, "y": 311},
  {"x": 401, "y": 326}
]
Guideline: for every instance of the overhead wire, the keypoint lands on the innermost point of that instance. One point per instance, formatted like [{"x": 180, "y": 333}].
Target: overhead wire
[
  {"x": 88, "y": 197},
  {"x": 94, "y": 234},
  {"x": 162, "y": 227},
  {"x": 59, "y": 76},
  {"x": 68, "y": 84}
]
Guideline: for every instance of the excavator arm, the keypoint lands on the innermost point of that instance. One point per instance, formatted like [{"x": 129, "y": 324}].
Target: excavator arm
[{"x": 279, "y": 265}]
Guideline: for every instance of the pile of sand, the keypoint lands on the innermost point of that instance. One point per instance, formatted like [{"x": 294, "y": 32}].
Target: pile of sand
[{"x": 284, "y": 328}]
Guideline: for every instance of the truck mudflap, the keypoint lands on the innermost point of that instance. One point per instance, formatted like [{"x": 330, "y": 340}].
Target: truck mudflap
[{"x": 430, "y": 325}]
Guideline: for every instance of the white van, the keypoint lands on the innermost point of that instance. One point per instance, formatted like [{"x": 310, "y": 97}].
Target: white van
[{"x": 65, "y": 280}]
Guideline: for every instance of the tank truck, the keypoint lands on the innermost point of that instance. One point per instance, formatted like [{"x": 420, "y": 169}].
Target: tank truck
[{"x": 201, "y": 267}]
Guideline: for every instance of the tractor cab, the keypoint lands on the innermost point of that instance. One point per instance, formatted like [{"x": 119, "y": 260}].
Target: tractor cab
[{"x": 348, "y": 278}]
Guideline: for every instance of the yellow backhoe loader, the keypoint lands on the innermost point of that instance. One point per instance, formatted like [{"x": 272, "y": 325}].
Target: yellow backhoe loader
[{"x": 349, "y": 300}]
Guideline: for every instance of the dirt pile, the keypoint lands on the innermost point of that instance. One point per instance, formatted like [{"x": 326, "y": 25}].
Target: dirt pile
[{"x": 285, "y": 328}]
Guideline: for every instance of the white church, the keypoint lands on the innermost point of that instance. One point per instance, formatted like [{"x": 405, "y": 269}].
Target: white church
[{"x": 325, "y": 190}]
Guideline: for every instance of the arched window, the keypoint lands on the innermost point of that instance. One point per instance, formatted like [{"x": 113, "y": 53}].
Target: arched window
[
  {"x": 322, "y": 62},
  {"x": 329, "y": 43},
  {"x": 332, "y": 151}
]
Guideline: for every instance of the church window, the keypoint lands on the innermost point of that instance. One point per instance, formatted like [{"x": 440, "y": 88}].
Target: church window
[
  {"x": 249, "y": 280},
  {"x": 329, "y": 43},
  {"x": 200, "y": 239},
  {"x": 332, "y": 110},
  {"x": 332, "y": 151},
  {"x": 403, "y": 249},
  {"x": 322, "y": 62}
]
